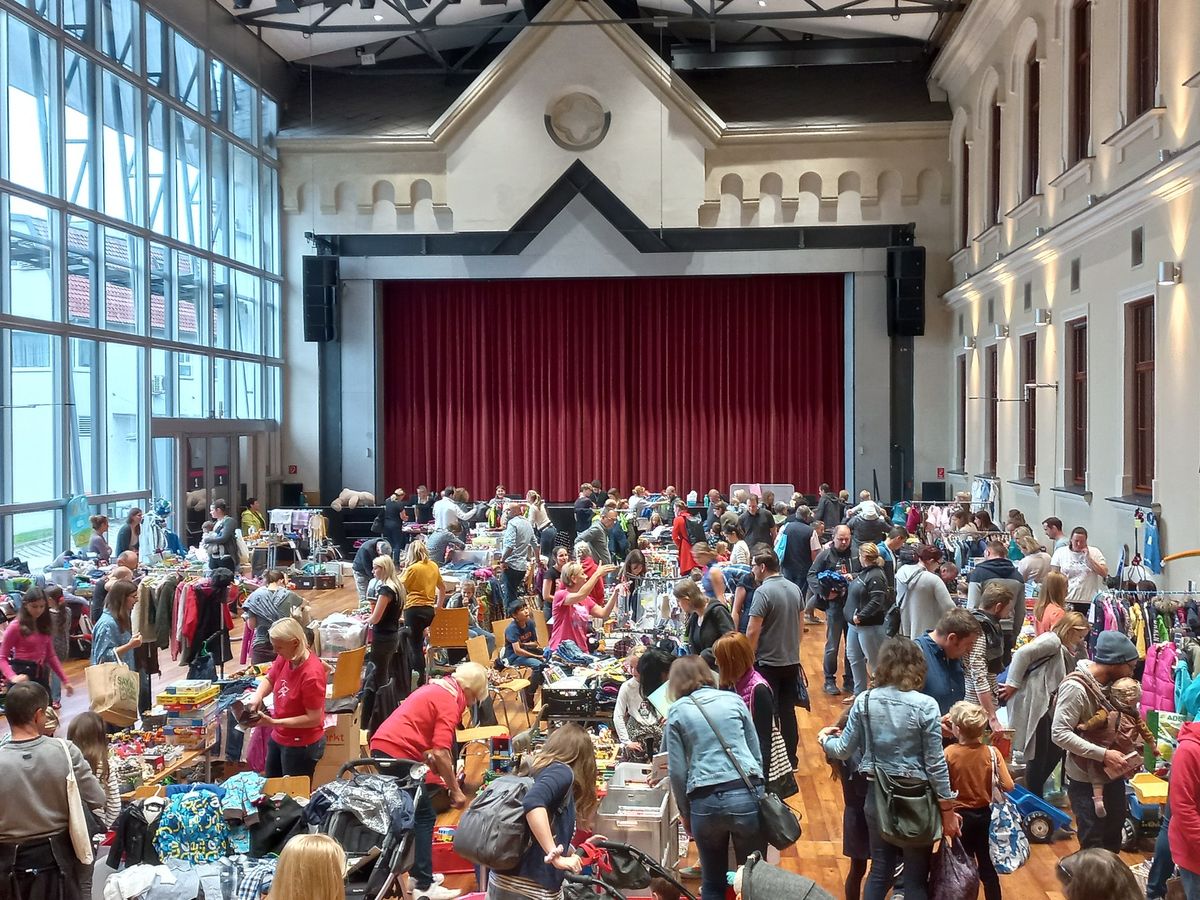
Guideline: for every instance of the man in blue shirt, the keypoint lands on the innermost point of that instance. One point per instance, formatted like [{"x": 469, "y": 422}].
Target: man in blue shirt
[
  {"x": 950, "y": 642},
  {"x": 521, "y": 648}
]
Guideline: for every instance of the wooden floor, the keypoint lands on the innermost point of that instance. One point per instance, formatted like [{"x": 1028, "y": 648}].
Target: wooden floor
[{"x": 819, "y": 852}]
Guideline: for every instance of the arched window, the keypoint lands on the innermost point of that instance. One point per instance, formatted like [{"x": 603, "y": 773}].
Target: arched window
[
  {"x": 1031, "y": 176},
  {"x": 1143, "y": 53}
]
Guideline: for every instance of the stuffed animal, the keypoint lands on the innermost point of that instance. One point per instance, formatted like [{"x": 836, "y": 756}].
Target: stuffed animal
[{"x": 349, "y": 499}]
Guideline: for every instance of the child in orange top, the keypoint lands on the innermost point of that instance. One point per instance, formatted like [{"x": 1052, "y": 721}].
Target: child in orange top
[{"x": 971, "y": 763}]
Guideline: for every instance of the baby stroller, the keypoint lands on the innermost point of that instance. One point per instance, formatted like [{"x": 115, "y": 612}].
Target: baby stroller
[
  {"x": 620, "y": 867},
  {"x": 370, "y": 814}
]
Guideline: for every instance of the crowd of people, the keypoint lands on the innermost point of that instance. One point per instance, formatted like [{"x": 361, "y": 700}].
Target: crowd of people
[{"x": 926, "y": 662}]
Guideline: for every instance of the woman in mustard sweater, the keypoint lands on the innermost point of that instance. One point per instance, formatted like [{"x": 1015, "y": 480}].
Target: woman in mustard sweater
[{"x": 426, "y": 593}]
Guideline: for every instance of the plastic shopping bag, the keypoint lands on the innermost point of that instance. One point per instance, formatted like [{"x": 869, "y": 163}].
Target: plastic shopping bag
[{"x": 954, "y": 875}]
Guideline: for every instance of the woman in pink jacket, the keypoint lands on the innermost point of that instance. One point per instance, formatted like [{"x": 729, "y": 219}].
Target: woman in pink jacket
[{"x": 27, "y": 650}]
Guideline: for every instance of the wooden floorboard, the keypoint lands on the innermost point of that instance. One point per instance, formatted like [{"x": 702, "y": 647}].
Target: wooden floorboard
[{"x": 819, "y": 852}]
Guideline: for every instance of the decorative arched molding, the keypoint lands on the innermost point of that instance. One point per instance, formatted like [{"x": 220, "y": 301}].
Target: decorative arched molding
[
  {"x": 991, "y": 90},
  {"x": 889, "y": 192},
  {"x": 849, "y": 199},
  {"x": 1030, "y": 35},
  {"x": 929, "y": 188},
  {"x": 958, "y": 132},
  {"x": 811, "y": 183},
  {"x": 770, "y": 199},
  {"x": 849, "y": 181},
  {"x": 732, "y": 192}
]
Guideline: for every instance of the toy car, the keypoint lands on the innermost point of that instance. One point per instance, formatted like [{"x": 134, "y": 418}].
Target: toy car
[{"x": 1041, "y": 819}]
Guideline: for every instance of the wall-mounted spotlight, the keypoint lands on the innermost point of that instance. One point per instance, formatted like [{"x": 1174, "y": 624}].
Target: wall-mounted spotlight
[
  {"x": 1169, "y": 273},
  {"x": 968, "y": 342},
  {"x": 1001, "y": 331},
  {"x": 1041, "y": 317}
]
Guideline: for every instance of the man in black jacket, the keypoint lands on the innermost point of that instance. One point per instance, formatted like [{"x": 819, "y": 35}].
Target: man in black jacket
[
  {"x": 830, "y": 509},
  {"x": 997, "y": 566},
  {"x": 797, "y": 554},
  {"x": 835, "y": 557}
]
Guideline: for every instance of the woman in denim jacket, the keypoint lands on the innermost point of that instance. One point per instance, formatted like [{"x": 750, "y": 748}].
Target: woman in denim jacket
[
  {"x": 714, "y": 802},
  {"x": 905, "y": 741}
]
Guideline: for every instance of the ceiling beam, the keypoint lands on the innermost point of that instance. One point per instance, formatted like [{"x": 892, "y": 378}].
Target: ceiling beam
[
  {"x": 792, "y": 53},
  {"x": 851, "y": 9}
]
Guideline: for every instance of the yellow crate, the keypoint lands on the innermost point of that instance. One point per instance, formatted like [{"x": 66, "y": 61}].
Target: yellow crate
[{"x": 1149, "y": 789}]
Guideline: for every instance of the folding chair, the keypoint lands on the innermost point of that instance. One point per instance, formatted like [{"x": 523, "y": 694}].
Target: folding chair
[
  {"x": 447, "y": 631},
  {"x": 477, "y": 652}
]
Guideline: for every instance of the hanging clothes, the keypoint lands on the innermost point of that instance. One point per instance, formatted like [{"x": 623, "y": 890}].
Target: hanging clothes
[{"x": 1151, "y": 545}]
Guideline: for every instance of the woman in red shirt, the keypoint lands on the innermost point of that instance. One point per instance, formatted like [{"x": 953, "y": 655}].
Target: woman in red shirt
[{"x": 296, "y": 680}]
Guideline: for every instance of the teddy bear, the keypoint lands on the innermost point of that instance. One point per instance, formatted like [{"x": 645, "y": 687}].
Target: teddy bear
[{"x": 349, "y": 499}]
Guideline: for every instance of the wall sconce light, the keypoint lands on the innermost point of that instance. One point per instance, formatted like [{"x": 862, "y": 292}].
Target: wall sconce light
[
  {"x": 1001, "y": 331},
  {"x": 1169, "y": 273},
  {"x": 1041, "y": 317},
  {"x": 968, "y": 342},
  {"x": 1039, "y": 231}
]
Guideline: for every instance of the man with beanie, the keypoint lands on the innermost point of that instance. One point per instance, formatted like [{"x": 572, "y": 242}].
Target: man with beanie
[
  {"x": 1185, "y": 808},
  {"x": 1080, "y": 697},
  {"x": 836, "y": 557},
  {"x": 996, "y": 566}
]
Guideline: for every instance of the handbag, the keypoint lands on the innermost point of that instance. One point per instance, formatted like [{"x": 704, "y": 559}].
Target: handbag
[
  {"x": 1007, "y": 844},
  {"x": 802, "y": 698},
  {"x": 781, "y": 780},
  {"x": 777, "y": 821},
  {"x": 77, "y": 826},
  {"x": 906, "y": 807}
]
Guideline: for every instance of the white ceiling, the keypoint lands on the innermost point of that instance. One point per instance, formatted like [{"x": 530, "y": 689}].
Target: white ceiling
[{"x": 338, "y": 48}]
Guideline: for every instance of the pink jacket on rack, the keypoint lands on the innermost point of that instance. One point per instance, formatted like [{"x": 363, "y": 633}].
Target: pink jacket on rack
[{"x": 1158, "y": 679}]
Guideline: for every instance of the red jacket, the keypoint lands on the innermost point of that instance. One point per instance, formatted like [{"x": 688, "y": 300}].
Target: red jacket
[
  {"x": 679, "y": 536},
  {"x": 1185, "y": 799}
]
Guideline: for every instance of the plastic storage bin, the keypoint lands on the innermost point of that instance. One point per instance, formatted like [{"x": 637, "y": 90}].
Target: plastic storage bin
[{"x": 634, "y": 813}]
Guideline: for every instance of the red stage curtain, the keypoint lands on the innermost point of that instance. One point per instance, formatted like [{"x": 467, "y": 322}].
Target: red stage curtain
[{"x": 696, "y": 382}]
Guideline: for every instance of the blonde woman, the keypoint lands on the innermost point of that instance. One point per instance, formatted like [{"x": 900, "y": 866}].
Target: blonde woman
[
  {"x": 426, "y": 593},
  {"x": 1036, "y": 671},
  {"x": 296, "y": 681},
  {"x": 1034, "y": 563},
  {"x": 865, "y": 610},
  {"x": 311, "y": 867},
  {"x": 563, "y": 794},
  {"x": 385, "y": 618}
]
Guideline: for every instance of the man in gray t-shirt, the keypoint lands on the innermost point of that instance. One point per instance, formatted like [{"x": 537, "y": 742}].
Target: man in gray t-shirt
[{"x": 776, "y": 623}]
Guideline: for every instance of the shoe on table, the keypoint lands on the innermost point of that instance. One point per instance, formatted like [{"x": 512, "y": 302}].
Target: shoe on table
[
  {"x": 831, "y": 689},
  {"x": 689, "y": 872}
]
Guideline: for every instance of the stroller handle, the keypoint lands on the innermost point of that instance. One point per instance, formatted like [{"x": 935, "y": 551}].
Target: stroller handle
[{"x": 409, "y": 770}]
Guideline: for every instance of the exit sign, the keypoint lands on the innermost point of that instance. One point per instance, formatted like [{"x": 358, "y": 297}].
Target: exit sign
[
  {"x": 292, "y": 470},
  {"x": 941, "y": 471}
]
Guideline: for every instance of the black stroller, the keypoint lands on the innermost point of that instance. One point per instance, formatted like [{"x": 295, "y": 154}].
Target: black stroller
[
  {"x": 628, "y": 868},
  {"x": 371, "y": 816}
]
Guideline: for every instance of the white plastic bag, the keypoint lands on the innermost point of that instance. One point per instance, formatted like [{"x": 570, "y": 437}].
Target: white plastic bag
[{"x": 340, "y": 633}]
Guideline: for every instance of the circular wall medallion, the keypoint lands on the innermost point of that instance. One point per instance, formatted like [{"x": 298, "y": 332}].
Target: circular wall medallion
[{"x": 577, "y": 121}]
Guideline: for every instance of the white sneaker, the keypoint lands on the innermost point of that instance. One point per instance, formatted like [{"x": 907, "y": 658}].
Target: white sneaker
[{"x": 436, "y": 892}]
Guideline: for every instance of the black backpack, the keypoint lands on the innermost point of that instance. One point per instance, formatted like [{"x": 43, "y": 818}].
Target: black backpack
[{"x": 695, "y": 530}]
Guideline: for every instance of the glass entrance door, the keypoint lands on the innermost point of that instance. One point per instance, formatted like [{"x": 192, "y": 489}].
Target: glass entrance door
[{"x": 210, "y": 474}]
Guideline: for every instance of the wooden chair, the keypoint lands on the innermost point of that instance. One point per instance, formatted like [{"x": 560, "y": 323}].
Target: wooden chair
[
  {"x": 477, "y": 652},
  {"x": 498, "y": 629},
  {"x": 543, "y": 632},
  {"x": 447, "y": 631}
]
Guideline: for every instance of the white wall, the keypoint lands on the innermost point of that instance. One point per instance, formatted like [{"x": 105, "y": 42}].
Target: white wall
[
  {"x": 359, "y": 404},
  {"x": 667, "y": 157},
  {"x": 1133, "y": 187}
]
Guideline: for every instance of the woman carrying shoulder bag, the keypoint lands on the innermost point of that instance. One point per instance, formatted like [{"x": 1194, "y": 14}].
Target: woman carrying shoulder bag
[
  {"x": 899, "y": 731},
  {"x": 716, "y": 804}
]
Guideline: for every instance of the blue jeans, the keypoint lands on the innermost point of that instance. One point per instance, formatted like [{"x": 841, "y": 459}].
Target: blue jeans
[
  {"x": 283, "y": 760},
  {"x": 715, "y": 819},
  {"x": 835, "y": 630},
  {"x": 1162, "y": 867},
  {"x": 863, "y": 643},
  {"x": 423, "y": 822},
  {"x": 885, "y": 856},
  {"x": 1191, "y": 883},
  {"x": 514, "y": 581}
]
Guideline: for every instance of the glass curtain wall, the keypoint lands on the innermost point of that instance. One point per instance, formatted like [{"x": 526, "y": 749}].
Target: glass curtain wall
[{"x": 140, "y": 258}]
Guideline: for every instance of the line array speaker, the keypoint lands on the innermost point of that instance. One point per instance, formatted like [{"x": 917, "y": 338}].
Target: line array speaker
[
  {"x": 321, "y": 274},
  {"x": 906, "y": 291}
]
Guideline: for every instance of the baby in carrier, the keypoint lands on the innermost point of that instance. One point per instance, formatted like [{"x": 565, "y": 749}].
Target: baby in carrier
[{"x": 1116, "y": 727}]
